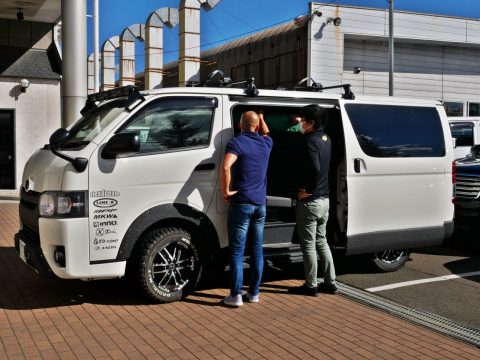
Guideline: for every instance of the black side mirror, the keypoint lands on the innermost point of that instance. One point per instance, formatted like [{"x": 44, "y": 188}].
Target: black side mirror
[
  {"x": 58, "y": 136},
  {"x": 122, "y": 143}
]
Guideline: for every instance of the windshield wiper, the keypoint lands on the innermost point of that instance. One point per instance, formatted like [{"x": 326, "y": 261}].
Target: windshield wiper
[{"x": 73, "y": 144}]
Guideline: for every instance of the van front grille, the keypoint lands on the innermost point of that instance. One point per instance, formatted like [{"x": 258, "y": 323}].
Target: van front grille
[
  {"x": 29, "y": 208},
  {"x": 467, "y": 187}
]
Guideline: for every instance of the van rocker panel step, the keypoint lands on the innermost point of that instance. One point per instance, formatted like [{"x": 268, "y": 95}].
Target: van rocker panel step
[{"x": 398, "y": 239}]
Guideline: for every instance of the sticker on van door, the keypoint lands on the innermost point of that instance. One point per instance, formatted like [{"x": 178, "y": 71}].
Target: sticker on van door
[
  {"x": 104, "y": 221},
  {"x": 105, "y": 202}
]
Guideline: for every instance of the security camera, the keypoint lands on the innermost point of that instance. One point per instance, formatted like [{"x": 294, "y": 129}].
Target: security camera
[
  {"x": 357, "y": 70},
  {"x": 24, "y": 84},
  {"x": 336, "y": 21}
]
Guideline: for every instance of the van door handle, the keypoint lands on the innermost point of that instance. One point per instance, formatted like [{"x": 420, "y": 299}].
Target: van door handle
[
  {"x": 203, "y": 167},
  {"x": 356, "y": 165}
]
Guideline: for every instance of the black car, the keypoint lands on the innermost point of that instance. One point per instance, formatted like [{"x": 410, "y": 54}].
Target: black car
[{"x": 467, "y": 191}]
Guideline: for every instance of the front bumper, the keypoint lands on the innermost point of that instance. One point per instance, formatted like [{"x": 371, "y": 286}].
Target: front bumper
[
  {"x": 30, "y": 252},
  {"x": 467, "y": 208},
  {"x": 37, "y": 250}
]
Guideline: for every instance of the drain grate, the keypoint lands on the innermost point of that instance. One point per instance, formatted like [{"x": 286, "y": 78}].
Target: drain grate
[{"x": 429, "y": 320}]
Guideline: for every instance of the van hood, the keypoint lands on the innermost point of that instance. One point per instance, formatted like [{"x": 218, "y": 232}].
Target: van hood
[{"x": 43, "y": 171}]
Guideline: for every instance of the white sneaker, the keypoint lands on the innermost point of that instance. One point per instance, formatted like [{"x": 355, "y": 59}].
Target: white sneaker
[
  {"x": 252, "y": 298},
  {"x": 233, "y": 300}
]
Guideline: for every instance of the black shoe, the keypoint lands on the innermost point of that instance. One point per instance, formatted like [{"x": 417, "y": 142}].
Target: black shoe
[
  {"x": 327, "y": 288},
  {"x": 304, "y": 290}
]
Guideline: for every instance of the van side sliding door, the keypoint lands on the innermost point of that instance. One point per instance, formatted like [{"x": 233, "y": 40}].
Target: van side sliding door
[{"x": 398, "y": 175}]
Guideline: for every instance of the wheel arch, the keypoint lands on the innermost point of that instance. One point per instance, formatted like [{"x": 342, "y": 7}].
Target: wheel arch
[{"x": 176, "y": 215}]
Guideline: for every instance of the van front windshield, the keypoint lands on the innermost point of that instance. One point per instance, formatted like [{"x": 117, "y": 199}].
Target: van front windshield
[{"x": 90, "y": 125}]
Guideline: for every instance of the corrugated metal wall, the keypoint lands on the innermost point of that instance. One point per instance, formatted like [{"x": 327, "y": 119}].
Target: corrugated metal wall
[
  {"x": 275, "y": 58},
  {"x": 436, "y": 57},
  {"x": 439, "y": 72}
]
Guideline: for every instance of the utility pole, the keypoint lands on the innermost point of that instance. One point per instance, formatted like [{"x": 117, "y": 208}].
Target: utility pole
[{"x": 391, "y": 49}]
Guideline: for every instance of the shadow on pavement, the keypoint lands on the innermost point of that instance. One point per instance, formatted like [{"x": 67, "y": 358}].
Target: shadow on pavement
[
  {"x": 21, "y": 288},
  {"x": 463, "y": 243}
]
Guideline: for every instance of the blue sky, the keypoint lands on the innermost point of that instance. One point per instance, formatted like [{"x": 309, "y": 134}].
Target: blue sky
[{"x": 237, "y": 18}]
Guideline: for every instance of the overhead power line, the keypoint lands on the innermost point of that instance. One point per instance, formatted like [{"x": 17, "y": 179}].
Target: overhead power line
[{"x": 233, "y": 36}]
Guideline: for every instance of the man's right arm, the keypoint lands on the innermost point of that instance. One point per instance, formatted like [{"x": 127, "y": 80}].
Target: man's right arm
[{"x": 263, "y": 127}]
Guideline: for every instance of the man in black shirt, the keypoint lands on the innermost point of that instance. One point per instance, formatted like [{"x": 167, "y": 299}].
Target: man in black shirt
[{"x": 313, "y": 204}]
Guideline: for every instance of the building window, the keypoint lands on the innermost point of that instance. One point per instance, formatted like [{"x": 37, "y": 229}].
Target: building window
[
  {"x": 473, "y": 109},
  {"x": 453, "y": 108}
]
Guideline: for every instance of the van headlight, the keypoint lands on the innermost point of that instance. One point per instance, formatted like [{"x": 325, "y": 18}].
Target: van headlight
[{"x": 63, "y": 204}]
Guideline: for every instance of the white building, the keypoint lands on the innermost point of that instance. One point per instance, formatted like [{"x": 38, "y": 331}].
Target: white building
[
  {"x": 27, "y": 115},
  {"x": 436, "y": 56}
]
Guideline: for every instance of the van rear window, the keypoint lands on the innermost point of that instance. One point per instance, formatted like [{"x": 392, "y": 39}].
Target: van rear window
[{"x": 397, "y": 131}]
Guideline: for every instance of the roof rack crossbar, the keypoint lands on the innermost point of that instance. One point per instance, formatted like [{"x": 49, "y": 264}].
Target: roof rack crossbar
[
  {"x": 218, "y": 79},
  {"x": 317, "y": 87}
]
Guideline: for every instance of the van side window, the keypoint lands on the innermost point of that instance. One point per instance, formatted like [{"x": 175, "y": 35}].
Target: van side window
[
  {"x": 463, "y": 132},
  {"x": 173, "y": 123},
  {"x": 397, "y": 131}
]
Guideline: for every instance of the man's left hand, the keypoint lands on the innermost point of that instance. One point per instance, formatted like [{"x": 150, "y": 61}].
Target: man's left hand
[{"x": 302, "y": 194}]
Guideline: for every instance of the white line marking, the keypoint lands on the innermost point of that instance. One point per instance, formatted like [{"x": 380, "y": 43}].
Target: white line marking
[{"x": 423, "y": 281}]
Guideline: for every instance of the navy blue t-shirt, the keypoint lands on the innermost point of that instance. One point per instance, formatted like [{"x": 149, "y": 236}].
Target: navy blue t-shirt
[{"x": 249, "y": 172}]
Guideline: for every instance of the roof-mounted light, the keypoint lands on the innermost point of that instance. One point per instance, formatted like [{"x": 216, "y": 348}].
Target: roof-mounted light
[{"x": 130, "y": 91}]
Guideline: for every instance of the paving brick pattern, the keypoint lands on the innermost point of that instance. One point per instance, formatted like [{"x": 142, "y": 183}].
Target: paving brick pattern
[{"x": 57, "y": 319}]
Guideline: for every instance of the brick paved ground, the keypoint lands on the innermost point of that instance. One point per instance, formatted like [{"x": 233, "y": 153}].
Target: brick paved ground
[{"x": 51, "y": 319}]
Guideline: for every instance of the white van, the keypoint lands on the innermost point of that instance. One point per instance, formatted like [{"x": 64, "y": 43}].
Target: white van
[
  {"x": 133, "y": 186},
  {"x": 466, "y": 131}
]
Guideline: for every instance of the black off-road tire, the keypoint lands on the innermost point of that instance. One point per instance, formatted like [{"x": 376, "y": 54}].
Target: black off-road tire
[
  {"x": 390, "y": 260},
  {"x": 167, "y": 264}
]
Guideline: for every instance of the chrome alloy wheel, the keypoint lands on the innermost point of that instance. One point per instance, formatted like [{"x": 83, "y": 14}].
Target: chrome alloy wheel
[
  {"x": 391, "y": 256},
  {"x": 390, "y": 260},
  {"x": 172, "y": 266}
]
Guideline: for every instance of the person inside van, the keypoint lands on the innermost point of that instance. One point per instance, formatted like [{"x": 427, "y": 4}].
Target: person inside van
[
  {"x": 313, "y": 204},
  {"x": 244, "y": 187}
]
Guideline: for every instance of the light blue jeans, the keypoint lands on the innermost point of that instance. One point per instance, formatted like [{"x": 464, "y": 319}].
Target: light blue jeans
[
  {"x": 312, "y": 219},
  {"x": 245, "y": 220}
]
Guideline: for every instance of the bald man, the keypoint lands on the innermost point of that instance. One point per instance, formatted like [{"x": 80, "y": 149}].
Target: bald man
[{"x": 244, "y": 187}]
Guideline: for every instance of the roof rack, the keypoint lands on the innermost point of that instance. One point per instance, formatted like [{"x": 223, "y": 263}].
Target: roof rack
[
  {"x": 130, "y": 91},
  {"x": 317, "y": 87},
  {"x": 218, "y": 79}
]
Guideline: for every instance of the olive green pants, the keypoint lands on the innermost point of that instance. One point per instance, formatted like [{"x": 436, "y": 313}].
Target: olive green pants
[{"x": 312, "y": 219}]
